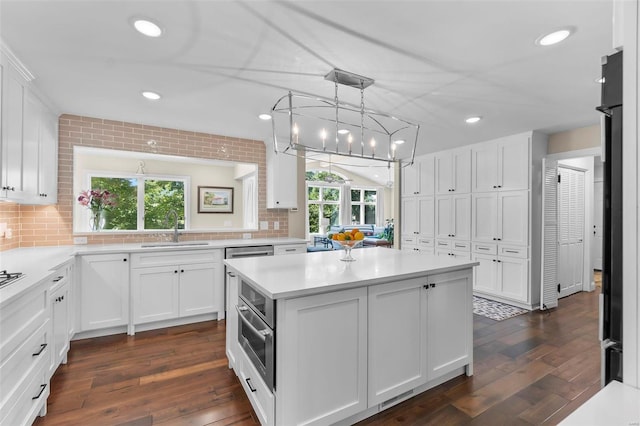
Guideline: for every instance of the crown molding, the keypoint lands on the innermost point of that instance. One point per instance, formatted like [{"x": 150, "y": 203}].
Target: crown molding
[{"x": 16, "y": 62}]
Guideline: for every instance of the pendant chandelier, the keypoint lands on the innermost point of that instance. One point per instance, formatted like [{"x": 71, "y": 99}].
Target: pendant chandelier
[{"x": 311, "y": 123}]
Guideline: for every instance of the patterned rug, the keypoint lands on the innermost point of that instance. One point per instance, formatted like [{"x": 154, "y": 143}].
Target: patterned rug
[{"x": 495, "y": 310}]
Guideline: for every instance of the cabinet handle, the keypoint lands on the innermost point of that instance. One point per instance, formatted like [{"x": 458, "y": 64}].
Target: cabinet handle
[
  {"x": 415, "y": 232},
  {"x": 483, "y": 248},
  {"x": 433, "y": 285},
  {"x": 290, "y": 250},
  {"x": 499, "y": 186},
  {"x": 495, "y": 186},
  {"x": 181, "y": 271},
  {"x": 42, "y": 348},
  {"x": 175, "y": 272},
  {"x": 512, "y": 251},
  {"x": 251, "y": 388},
  {"x": 499, "y": 261},
  {"x": 124, "y": 260},
  {"x": 231, "y": 274},
  {"x": 426, "y": 286},
  {"x": 55, "y": 280},
  {"x": 459, "y": 245},
  {"x": 499, "y": 239},
  {"x": 493, "y": 260},
  {"x": 42, "y": 388}
]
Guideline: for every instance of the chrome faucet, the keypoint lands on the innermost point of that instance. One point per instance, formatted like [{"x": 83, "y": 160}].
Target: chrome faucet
[{"x": 176, "y": 234}]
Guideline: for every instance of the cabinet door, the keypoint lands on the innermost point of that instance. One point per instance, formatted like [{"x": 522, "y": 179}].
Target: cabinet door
[
  {"x": 461, "y": 229},
  {"x": 155, "y": 293},
  {"x": 427, "y": 176},
  {"x": 484, "y": 217},
  {"x": 48, "y": 168},
  {"x": 201, "y": 290},
  {"x": 410, "y": 184},
  {"x": 282, "y": 178},
  {"x": 449, "y": 301},
  {"x": 444, "y": 174},
  {"x": 409, "y": 216},
  {"x": 104, "y": 291},
  {"x": 444, "y": 219},
  {"x": 12, "y": 114},
  {"x": 485, "y": 274},
  {"x": 60, "y": 324},
  {"x": 461, "y": 160},
  {"x": 513, "y": 217},
  {"x": 484, "y": 167},
  {"x": 397, "y": 338},
  {"x": 426, "y": 216},
  {"x": 232, "y": 319},
  {"x": 513, "y": 278},
  {"x": 30, "y": 145},
  {"x": 321, "y": 369},
  {"x": 513, "y": 163}
]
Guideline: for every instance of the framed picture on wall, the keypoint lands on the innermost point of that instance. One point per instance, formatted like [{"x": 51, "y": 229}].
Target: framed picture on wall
[{"x": 215, "y": 199}]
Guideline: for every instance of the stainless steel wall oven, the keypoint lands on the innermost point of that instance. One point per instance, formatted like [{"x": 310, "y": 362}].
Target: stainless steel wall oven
[{"x": 257, "y": 330}]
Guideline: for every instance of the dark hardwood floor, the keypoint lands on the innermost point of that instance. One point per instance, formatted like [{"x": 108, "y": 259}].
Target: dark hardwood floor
[{"x": 533, "y": 369}]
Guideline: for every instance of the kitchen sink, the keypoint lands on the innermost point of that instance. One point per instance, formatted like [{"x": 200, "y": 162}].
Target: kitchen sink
[{"x": 178, "y": 244}]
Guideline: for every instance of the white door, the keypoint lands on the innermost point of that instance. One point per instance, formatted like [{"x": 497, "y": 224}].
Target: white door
[
  {"x": 461, "y": 226},
  {"x": 409, "y": 216},
  {"x": 486, "y": 273},
  {"x": 484, "y": 224},
  {"x": 513, "y": 217},
  {"x": 598, "y": 196},
  {"x": 444, "y": 175},
  {"x": 461, "y": 160},
  {"x": 549, "y": 258},
  {"x": 200, "y": 290},
  {"x": 426, "y": 218},
  {"x": 444, "y": 217},
  {"x": 427, "y": 178},
  {"x": 484, "y": 167},
  {"x": 570, "y": 230}
]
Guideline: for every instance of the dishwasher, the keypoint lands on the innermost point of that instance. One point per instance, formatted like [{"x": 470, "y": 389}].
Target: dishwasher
[{"x": 241, "y": 252}]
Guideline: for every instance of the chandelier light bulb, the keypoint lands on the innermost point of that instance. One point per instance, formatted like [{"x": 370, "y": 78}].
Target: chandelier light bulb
[
  {"x": 323, "y": 135},
  {"x": 295, "y": 132},
  {"x": 373, "y": 147}
]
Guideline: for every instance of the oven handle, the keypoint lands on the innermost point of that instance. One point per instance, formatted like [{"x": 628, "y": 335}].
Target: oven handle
[{"x": 262, "y": 334}]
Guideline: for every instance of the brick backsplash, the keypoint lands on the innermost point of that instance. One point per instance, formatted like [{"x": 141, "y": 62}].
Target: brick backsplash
[{"x": 53, "y": 225}]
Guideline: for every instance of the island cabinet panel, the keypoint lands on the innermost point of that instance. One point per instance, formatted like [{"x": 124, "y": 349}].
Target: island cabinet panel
[
  {"x": 449, "y": 323},
  {"x": 321, "y": 372},
  {"x": 397, "y": 338},
  {"x": 232, "y": 347},
  {"x": 154, "y": 293},
  {"x": 104, "y": 291}
]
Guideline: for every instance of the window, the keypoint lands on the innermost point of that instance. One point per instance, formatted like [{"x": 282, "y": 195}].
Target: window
[
  {"x": 363, "y": 206},
  {"x": 144, "y": 202},
  {"x": 324, "y": 207}
]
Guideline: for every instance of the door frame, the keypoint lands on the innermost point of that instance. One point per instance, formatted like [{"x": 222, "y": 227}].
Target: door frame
[{"x": 588, "y": 282}]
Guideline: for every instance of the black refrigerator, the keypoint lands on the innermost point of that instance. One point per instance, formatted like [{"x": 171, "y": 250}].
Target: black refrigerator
[{"x": 611, "y": 297}]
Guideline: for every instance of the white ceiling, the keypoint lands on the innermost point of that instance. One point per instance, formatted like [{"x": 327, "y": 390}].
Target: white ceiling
[{"x": 221, "y": 63}]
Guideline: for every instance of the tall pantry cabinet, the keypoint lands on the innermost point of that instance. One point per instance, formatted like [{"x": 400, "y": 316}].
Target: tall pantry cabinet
[{"x": 485, "y": 206}]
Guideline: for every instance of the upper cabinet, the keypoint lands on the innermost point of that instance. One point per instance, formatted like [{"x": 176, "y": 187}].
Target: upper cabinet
[
  {"x": 282, "y": 180},
  {"x": 453, "y": 169},
  {"x": 29, "y": 166},
  {"x": 501, "y": 165},
  {"x": 419, "y": 178}
]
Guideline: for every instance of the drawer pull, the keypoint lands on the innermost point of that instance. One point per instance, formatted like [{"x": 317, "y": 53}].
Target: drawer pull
[
  {"x": 460, "y": 245},
  {"x": 55, "y": 280},
  {"x": 42, "y": 348},
  {"x": 483, "y": 248},
  {"x": 231, "y": 274},
  {"x": 42, "y": 388},
  {"x": 291, "y": 249},
  {"x": 251, "y": 388},
  {"x": 512, "y": 251}
]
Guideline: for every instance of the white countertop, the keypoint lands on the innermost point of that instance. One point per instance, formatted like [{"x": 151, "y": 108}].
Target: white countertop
[
  {"x": 320, "y": 272},
  {"x": 37, "y": 263},
  {"x": 616, "y": 404}
]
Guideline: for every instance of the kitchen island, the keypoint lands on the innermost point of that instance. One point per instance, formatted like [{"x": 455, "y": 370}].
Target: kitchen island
[{"x": 347, "y": 339}]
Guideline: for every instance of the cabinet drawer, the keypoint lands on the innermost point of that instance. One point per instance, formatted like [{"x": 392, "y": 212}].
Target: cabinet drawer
[
  {"x": 408, "y": 240},
  {"x": 485, "y": 248},
  {"x": 257, "y": 391},
  {"x": 513, "y": 251},
  {"x": 443, "y": 244},
  {"x": 289, "y": 249},
  {"x": 22, "y": 318},
  {"x": 23, "y": 406},
  {"x": 21, "y": 363},
  {"x": 142, "y": 260},
  {"x": 426, "y": 242},
  {"x": 461, "y": 246}
]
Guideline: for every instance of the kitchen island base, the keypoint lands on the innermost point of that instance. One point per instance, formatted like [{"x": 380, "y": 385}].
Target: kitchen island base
[{"x": 345, "y": 355}]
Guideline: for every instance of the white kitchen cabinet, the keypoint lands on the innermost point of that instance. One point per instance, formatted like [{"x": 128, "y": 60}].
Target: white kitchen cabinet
[
  {"x": 282, "y": 249},
  {"x": 61, "y": 303},
  {"x": 25, "y": 355},
  {"x": 453, "y": 171},
  {"x": 282, "y": 180},
  {"x": 29, "y": 143},
  {"x": 397, "y": 338},
  {"x": 449, "y": 301},
  {"x": 419, "y": 178},
  {"x": 504, "y": 275},
  {"x": 501, "y": 165},
  {"x": 321, "y": 371},
  {"x": 453, "y": 217},
  {"x": 176, "y": 284},
  {"x": 232, "y": 347},
  {"x": 104, "y": 291},
  {"x": 501, "y": 217}
]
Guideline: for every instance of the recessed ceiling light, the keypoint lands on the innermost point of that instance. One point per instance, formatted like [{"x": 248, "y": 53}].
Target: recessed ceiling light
[
  {"x": 554, "y": 37},
  {"x": 148, "y": 28},
  {"x": 151, "y": 95},
  {"x": 472, "y": 120},
  {"x": 399, "y": 142},
  {"x": 264, "y": 117},
  {"x": 343, "y": 131}
]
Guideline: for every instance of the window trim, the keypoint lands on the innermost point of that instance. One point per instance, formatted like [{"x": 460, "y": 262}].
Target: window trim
[
  {"x": 89, "y": 174},
  {"x": 363, "y": 203},
  {"x": 320, "y": 202}
]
